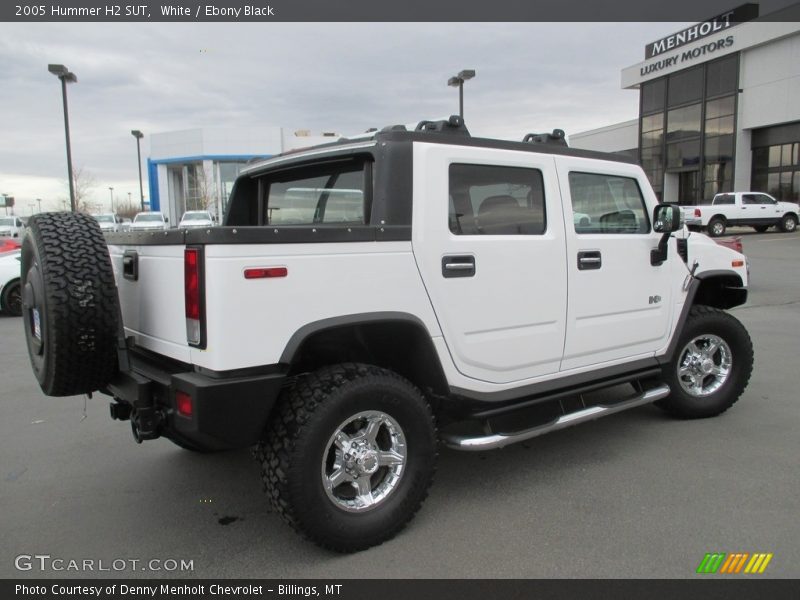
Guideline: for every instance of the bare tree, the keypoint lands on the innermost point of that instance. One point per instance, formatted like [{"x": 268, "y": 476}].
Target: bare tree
[
  {"x": 83, "y": 183},
  {"x": 127, "y": 209}
]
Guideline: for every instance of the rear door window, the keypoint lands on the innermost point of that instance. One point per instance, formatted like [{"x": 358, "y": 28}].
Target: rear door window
[{"x": 496, "y": 200}]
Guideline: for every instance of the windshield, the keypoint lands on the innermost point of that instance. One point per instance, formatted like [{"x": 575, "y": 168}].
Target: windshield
[
  {"x": 196, "y": 216},
  {"x": 149, "y": 218},
  {"x": 7, "y": 221},
  {"x": 104, "y": 218}
]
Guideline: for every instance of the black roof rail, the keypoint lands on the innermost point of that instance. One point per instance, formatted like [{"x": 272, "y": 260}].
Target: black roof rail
[
  {"x": 453, "y": 125},
  {"x": 558, "y": 137}
]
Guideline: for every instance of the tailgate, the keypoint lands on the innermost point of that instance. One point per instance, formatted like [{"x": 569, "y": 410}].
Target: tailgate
[{"x": 152, "y": 298}]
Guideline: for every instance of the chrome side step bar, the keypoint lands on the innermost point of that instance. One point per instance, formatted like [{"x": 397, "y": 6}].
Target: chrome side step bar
[{"x": 498, "y": 440}]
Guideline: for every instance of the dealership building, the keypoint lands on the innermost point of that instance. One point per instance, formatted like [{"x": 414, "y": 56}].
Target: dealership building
[{"x": 719, "y": 108}]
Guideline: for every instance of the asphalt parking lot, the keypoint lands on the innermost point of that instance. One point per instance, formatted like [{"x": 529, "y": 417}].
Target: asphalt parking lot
[{"x": 633, "y": 495}]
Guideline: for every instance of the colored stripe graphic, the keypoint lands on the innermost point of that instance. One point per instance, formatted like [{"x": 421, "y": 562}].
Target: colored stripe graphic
[
  {"x": 711, "y": 562},
  {"x": 734, "y": 563},
  {"x": 759, "y": 562}
]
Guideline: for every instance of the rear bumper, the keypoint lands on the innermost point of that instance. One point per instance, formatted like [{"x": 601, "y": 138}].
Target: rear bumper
[{"x": 226, "y": 411}]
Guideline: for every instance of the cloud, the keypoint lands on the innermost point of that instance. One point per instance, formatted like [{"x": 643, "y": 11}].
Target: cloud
[{"x": 340, "y": 77}]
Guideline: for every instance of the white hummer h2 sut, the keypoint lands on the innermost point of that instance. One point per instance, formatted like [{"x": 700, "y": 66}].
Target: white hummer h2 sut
[{"x": 369, "y": 298}]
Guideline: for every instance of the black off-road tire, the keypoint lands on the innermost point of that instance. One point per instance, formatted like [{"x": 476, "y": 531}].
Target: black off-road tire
[
  {"x": 788, "y": 224},
  {"x": 761, "y": 228},
  {"x": 716, "y": 227},
  {"x": 708, "y": 321},
  {"x": 11, "y": 302},
  {"x": 68, "y": 287},
  {"x": 297, "y": 438}
]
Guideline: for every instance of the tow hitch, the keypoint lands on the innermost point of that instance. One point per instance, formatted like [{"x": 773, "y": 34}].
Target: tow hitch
[{"x": 145, "y": 423}]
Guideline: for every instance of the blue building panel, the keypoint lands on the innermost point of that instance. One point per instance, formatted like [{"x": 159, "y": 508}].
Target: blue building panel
[{"x": 152, "y": 181}]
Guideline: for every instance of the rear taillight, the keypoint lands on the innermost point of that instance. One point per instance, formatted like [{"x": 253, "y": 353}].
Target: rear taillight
[
  {"x": 193, "y": 296},
  {"x": 697, "y": 212},
  {"x": 183, "y": 402}
]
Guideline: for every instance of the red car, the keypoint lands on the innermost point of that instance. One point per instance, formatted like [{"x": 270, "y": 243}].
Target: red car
[
  {"x": 734, "y": 243},
  {"x": 8, "y": 244}
]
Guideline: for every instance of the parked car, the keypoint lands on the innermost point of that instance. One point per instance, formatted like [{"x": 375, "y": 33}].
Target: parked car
[
  {"x": 108, "y": 222},
  {"x": 9, "y": 244},
  {"x": 196, "y": 218},
  {"x": 751, "y": 209},
  {"x": 10, "y": 290},
  {"x": 734, "y": 243},
  {"x": 11, "y": 226},
  {"x": 149, "y": 221}
]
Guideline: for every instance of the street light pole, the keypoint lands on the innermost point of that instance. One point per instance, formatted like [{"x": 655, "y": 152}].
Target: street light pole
[
  {"x": 111, "y": 191},
  {"x": 139, "y": 135},
  {"x": 66, "y": 76},
  {"x": 39, "y": 200},
  {"x": 458, "y": 81}
]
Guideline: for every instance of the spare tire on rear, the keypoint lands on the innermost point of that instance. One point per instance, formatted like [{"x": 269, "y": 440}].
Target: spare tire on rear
[{"x": 70, "y": 306}]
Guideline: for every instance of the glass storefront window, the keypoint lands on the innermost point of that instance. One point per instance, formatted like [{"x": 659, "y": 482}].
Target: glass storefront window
[
  {"x": 653, "y": 122},
  {"x": 786, "y": 155},
  {"x": 683, "y": 154},
  {"x": 786, "y": 184},
  {"x": 720, "y": 126},
  {"x": 721, "y": 76},
  {"x": 652, "y": 155},
  {"x": 683, "y": 122},
  {"x": 775, "y": 171},
  {"x": 775, "y": 156},
  {"x": 653, "y": 96},
  {"x": 719, "y": 148},
  {"x": 720, "y": 107},
  {"x": 688, "y": 122},
  {"x": 760, "y": 158},
  {"x": 652, "y": 138},
  {"x": 685, "y": 86},
  {"x": 718, "y": 171},
  {"x": 773, "y": 185}
]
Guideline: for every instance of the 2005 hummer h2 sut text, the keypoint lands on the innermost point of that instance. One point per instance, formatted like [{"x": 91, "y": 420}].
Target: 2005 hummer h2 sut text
[{"x": 367, "y": 299}]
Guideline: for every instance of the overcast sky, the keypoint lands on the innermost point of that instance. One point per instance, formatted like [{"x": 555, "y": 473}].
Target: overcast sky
[{"x": 323, "y": 77}]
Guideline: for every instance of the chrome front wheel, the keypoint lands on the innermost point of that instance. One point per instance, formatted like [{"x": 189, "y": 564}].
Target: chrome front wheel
[
  {"x": 711, "y": 365},
  {"x": 704, "y": 365}
]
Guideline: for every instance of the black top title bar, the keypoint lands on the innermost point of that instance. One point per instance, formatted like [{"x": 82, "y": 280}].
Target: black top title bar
[{"x": 368, "y": 10}]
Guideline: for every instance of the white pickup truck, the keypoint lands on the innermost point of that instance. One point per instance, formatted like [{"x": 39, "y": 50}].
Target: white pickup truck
[
  {"x": 752, "y": 209},
  {"x": 369, "y": 298}
]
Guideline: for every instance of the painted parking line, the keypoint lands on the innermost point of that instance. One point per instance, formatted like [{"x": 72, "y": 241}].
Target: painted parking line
[{"x": 786, "y": 239}]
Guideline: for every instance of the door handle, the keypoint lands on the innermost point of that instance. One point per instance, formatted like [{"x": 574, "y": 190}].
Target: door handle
[
  {"x": 458, "y": 266},
  {"x": 589, "y": 260},
  {"x": 130, "y": 265}
]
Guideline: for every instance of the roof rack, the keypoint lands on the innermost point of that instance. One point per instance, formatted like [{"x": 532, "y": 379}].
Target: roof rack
[
  {"x": 558, "y": 137},
  {"x": 453, "y": 125}
]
